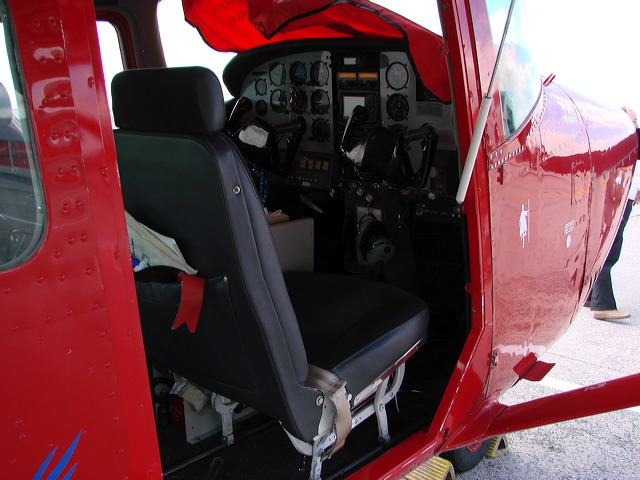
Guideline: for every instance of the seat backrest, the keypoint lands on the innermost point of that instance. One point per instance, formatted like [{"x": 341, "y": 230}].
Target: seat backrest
[{"x": 184, "y": 178}]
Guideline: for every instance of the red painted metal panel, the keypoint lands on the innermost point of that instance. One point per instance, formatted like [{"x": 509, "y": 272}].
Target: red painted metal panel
[
  {"x": 72, "y": 334},
  {"x": 591, "y": 400},
  {"x": 70, "y": 326},
  {"x": 614, "y": 151},
  {"x": 542, "y": 204},
  {"x": 540, "y": 185},
  {"x": 532, "y": 209},
  {"x": 548, "y": 164}
]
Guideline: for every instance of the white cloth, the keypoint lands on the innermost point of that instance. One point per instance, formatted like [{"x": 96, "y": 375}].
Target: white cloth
[{"x": 151, "y": 248}]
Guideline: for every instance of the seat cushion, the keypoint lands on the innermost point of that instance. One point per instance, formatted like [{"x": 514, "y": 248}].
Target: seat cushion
[{"x": 353, "y": 327}]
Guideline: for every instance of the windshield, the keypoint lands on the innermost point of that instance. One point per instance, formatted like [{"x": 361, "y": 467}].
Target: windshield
[
  {"x": 248, "y": 24},
  {"x": 518, "y": 78}
]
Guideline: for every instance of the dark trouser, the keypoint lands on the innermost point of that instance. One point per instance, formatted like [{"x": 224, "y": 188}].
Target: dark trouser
[{"x": 602, "y": 293}]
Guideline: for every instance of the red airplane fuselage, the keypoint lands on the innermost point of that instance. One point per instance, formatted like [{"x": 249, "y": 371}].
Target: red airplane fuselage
[{"x": 504, "y": 271}]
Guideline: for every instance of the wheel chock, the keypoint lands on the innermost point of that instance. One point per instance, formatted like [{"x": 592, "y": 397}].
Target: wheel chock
[
  {"x": 436, "y": 468},
  {"x": 497, "y": 447}
]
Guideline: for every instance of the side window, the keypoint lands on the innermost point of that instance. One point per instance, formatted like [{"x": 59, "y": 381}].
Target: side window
[
  {"x": 111, "y": 55},
  {"x": 21, "y": 198},
  {"x": 518, "y": 77},
  {"x": 190, "y": 49}
]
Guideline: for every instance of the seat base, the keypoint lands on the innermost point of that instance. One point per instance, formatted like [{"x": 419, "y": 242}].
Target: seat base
[
  {"x": 355, "y": 328},
  {"x": 322, "y": 446}
]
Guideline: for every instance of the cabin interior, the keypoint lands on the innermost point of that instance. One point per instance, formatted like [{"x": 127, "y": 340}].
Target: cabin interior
[{"x": 355, "y": 162}]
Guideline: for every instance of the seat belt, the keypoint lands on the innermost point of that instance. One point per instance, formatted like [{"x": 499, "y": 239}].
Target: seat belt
[{"x": 335, "y": 391}]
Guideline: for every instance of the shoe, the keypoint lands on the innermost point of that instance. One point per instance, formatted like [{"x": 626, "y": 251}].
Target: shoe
[
  {"x": 610, "y": 315},
  {"x": 587, "y": 304}
]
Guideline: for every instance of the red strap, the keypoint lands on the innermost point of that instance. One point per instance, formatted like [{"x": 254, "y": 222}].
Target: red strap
[{"x": 192, "y": 290}]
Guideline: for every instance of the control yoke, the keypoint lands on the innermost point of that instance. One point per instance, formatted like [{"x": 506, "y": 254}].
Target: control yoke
[
  {"x": 382, "y": 151},
  {"x": 358, "y": 115},
  {"x": 258, "y": 142}
]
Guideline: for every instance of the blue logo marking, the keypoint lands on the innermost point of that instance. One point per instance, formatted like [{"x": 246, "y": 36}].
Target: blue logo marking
[{"x": 61, "y": 465}]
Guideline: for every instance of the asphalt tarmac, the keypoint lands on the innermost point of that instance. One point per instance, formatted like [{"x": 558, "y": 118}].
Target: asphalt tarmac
[{"x": 602, "y": 447}]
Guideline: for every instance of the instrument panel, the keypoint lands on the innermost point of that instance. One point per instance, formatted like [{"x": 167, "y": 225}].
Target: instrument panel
[{"x": 321, "y": 88}]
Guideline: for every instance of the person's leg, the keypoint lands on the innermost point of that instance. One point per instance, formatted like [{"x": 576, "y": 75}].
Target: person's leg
[{"x": 602, "y": 297}]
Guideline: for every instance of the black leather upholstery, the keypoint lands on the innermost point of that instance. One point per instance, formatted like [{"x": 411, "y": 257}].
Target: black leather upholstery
[
  {"x": 353, "y": 327},
  {"x": 183, "y": 187},
  {"x": 253, "y": 342},
  {"x": 160, "y": 103}
]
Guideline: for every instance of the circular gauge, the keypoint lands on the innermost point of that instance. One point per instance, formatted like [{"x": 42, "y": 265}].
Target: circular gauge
[
  {"x": 277, "y": 73},
  {"x": 298, "y": 100},
  {"x": 261, "y": 86},
  {"x": 278, "y": 101},
  {"x": 298, "y": 73},
  {"x": 397, "y": 75},
  {"x": 261, "y": 107},
  {"x": 319, "y": 73},
  {"x": 320, "y": 129},
  {"x": 397, "y": 107},
  {"x": 319, "y": 102}
]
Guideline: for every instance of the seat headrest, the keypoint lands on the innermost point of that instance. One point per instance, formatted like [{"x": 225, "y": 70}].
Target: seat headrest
[
  {"x": 168, "y": 100},
  {"x": 5, "y": 107}
]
